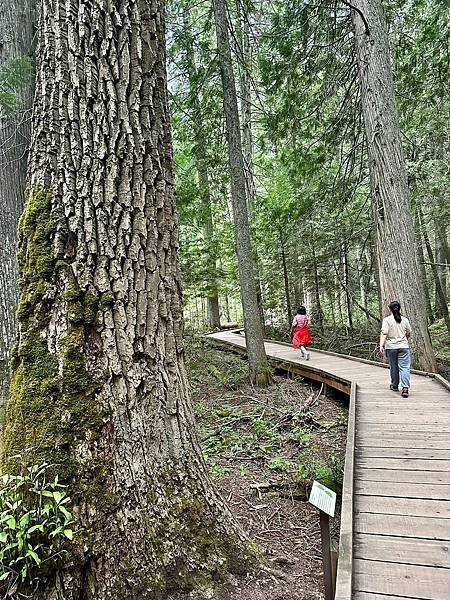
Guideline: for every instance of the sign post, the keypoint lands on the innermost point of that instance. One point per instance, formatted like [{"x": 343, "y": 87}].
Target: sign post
[{"x": 325, "y": 500}]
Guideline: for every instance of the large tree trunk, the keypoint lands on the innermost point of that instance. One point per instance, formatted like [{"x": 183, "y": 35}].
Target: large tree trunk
[
  {"x": 99, "y": 386},
  {"x": 399, "y": 270},
  {"x": 16, "y": 35},
  {"x": 441, "y": 299},
  {"x": 259, "y": 371},
  {"x": 202, "y": 170}
]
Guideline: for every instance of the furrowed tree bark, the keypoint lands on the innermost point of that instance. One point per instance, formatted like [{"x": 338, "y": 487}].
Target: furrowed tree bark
[
  {"x": 99, "y": 386},
  {"x": 441, "y": 299},
  {"x": 245, "y": 65},
  {"x": 202, "y": 170},
  {"x": 259, "y": 371},
  {"x": 16, "y": 35},
  {"x": 422, "y": 265},
  {"x": 399, "y": 271}
]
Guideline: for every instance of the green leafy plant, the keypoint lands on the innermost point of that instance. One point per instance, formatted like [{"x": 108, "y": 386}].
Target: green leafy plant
[
  {"x": 281, "y": 464},
  {"x": 302, "y": 436},
  {"x": 35, "y": 521}
]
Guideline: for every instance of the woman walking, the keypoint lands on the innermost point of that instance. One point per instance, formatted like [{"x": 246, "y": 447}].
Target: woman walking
[
  {"x": 395, "y": 333},
  {"x": 302, "y": 333}
]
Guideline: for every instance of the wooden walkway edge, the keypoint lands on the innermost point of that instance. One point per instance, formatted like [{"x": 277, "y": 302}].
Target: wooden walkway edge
[{"x": 395, "y": 523}]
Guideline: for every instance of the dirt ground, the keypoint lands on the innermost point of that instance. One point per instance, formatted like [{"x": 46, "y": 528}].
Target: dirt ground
[{"x": 264, "y": 448}]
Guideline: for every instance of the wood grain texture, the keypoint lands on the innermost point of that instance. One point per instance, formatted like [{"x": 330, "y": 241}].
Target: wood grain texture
[
  {"x": 403, "y": 525},
  {"x": 429, "y": 553},
  {"x": 412, "y": 581}
]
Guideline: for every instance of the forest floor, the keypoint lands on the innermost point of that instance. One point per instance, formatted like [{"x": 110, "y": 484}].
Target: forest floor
[{"x": 264, "y": 448}]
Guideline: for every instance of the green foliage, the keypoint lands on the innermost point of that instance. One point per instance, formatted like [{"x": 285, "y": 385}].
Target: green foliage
[
  {"x": 15, "y": 77},
  {"x": 281, "y": 464},
  {"x": 329, "y": 473},
  {"x": 302, "y": 436},
  {"x": 35, "y": 524}
]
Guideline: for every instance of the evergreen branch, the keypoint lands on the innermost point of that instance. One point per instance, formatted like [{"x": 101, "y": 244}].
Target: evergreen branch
[{"x": 360, "y": 13}]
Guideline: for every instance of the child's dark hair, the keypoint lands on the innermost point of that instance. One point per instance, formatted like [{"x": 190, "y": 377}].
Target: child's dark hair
[
  {"x": 395, "y": 310},
  {"x": 301, "y": 310}
]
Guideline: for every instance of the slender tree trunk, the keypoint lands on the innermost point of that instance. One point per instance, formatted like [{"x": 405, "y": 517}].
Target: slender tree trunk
[
  {"x": 16, "y": 35},
  {"x": 202, "y": 170},
  {"x": 286, "y": 282},
  {"x": 441, "y": 268},
  {"x": 421, "y": 256},
  {"x": 245, "y": 67},
  {"x": 347, "y": 294},
  {"x": 441, "y": 231},
  {"x": 399, "y": 270},
  {"x": 441, "y": 298},
  {"x": 318, "y": 311},
  {"x": 99, "y": 387},
  {"x": 259, "y": 372},
  {"x": 244, "y": 51}
]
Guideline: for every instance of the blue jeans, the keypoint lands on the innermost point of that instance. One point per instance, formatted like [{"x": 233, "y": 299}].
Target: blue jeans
[{"x": 400, "y": 365}]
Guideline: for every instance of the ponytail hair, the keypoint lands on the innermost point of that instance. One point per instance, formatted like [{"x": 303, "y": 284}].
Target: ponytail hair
[{"x": 395, "y": 310}]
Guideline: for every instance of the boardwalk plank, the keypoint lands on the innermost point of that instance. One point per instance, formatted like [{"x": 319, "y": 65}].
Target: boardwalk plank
[
  {"x": 423, "y": 453},
  {"x": 370, "y": 596},
  {"x": 405, "y": 580},
  {"x": 403, "y": 506},
  {"x": 403, "y": 525},
  {"x": 411, "y": 464},
  {"x": 401, "y": 476},
  {"x": 414, "y": 551},
  {"x": 407, "y": 440},
  {"x": 402, "y": 490}
]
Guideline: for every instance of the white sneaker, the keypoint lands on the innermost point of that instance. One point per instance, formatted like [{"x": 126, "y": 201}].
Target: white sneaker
[{"x": 307, "y": 356}]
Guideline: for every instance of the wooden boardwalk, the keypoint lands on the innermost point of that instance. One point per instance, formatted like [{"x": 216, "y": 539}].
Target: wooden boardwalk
[{"x": 395, "y": 527}]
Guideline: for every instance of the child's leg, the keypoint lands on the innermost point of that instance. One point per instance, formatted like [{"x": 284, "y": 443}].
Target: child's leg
[
  {"x": 303, "y": 351},
  {"x": 307, "y": 353}
]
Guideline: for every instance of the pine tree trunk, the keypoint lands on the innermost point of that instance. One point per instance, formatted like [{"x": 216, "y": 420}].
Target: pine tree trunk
[
  {"x": 318, "y": 308},
  {"x": 441, "y": 299},
  {"x": 16, "y": 35},
  {"x": 202, "y": 170},
  {"x": 399, "y": 270},
  {"x": 259, "y": 372},
  {"x": 99, "y": 386},
  {"x": 245, "y": 53},
  {"x": 439, "y": 254},
  {"x": 286, "y": 282}
]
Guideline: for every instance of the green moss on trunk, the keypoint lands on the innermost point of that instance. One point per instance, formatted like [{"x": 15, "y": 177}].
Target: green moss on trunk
[{"x": 52, "y": 396}]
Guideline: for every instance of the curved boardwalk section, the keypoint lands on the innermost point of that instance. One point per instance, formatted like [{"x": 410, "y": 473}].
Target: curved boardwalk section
[{"x": 395, "y": 528}]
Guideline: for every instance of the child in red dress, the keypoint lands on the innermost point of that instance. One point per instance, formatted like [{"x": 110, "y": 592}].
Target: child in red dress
[{"x": 302, "y": 333}]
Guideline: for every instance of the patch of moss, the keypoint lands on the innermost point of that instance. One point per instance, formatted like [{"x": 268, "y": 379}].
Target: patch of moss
[
  {"x": 200, "y": 555},
  {"x": 52, "y": 398},
  {"x": 35, "y": 255},
  {"x": 106, "y": 301}
]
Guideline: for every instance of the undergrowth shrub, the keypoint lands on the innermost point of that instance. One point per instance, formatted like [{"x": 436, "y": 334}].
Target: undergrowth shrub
[{"x": 35, "y": 522}]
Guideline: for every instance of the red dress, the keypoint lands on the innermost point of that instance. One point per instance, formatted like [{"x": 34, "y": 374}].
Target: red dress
[{"x": 302, "y": 332}]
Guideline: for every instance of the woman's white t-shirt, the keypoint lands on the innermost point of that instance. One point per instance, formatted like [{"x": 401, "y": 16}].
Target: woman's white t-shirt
[{"x": 396, "y": 333}]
